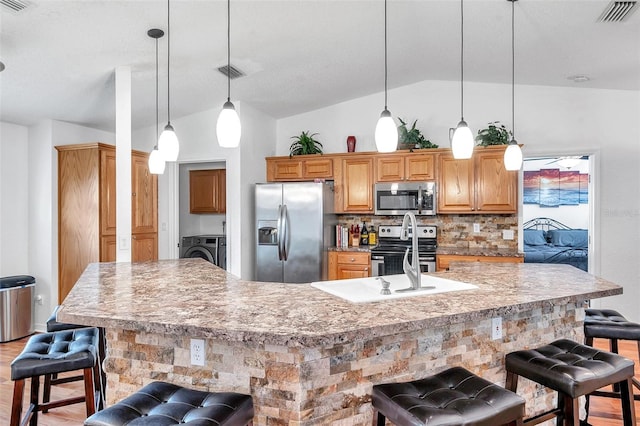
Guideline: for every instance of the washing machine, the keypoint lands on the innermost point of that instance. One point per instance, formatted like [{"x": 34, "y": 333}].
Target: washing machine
[{"x": 211, "y": 248}]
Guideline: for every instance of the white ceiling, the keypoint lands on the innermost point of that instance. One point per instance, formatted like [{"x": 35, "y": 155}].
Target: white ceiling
[{"x": 299, "y": 55}]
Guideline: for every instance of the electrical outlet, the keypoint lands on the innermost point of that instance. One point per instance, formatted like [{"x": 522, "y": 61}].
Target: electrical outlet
[
  {"x": 197, "y": 352},
  {"x": 496, "y": 328},
  {"x": 476, "y": 227},
  {"x": 507, "y": 234}
]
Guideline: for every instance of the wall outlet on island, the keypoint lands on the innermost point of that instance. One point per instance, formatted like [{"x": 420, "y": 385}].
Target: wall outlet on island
[
  {"x": 496, "y": 328},
  {"x": 197, "y": 352}
]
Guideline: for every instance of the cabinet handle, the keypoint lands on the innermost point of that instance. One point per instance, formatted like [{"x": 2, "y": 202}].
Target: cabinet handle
[
  {"x": 353, "y": 259},
  {"x": 366, "y": 269}
]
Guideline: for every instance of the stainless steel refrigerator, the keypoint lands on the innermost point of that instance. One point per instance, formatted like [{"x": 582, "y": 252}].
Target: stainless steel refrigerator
[{"x": 295, "y": 225}]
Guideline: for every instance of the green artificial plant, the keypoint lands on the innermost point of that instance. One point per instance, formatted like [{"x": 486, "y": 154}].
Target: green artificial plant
[
  {"x": 305, "y": 144},
  {"x": 413, "y": 137},
  {"x": 494, "y": 134}
]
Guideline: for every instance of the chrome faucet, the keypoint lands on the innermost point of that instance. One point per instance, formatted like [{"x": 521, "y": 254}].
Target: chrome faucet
[{"x": 412, "y": 270}]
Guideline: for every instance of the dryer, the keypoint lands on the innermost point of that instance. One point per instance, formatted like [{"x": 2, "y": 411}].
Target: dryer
[{"x": 211, "y": 248}]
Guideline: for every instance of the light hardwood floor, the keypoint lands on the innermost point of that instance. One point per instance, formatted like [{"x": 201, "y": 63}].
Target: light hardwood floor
[{"x": 603, "y": 411}]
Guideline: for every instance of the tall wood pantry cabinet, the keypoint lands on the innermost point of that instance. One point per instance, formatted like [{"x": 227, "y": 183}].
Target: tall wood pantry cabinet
[{"x": 87, "y": 210}]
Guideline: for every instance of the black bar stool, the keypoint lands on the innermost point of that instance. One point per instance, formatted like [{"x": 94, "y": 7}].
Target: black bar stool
[
  {"x": 54, "y": 325},
  {"x": 611, "y": 325},
  {"x": 452, "y": 397},
  {"x": 169, "y": 404},
  {"x": 52, "y": 353},
  {"x": 572, "y": 370}
]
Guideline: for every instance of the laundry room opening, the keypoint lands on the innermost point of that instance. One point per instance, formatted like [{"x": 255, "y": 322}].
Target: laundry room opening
[{"x": 202, "y": 211}]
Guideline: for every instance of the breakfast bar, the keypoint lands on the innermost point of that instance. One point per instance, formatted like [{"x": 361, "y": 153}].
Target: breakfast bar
[{"x": 308, "y": 357}]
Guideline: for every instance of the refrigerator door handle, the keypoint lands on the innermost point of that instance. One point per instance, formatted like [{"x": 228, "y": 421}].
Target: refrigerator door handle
[
  {"x": 280, "y": 232},
  {"x": 285, "y": 235}
]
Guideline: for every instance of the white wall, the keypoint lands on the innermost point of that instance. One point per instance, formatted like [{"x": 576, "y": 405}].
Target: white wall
[
  {"x": 14, "y": 200},
  {"x": 549, "y": 120},
  {"x": 245, "y": 165}
]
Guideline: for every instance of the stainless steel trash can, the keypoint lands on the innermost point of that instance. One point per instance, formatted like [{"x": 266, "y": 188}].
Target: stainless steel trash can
[{"x": 16, "y": 304}]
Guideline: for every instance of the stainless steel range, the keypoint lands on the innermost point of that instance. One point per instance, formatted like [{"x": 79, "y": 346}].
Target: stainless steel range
[{"x": 387, "y": 256}]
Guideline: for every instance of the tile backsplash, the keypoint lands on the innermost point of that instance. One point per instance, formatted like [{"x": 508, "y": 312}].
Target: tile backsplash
[{"x": 455, "y": 231}]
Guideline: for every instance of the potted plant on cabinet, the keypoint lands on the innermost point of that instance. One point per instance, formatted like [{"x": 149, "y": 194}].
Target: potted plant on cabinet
[
  {"x": 305, "y": 144},
  {"x": 494, "y": 134},
  {"x": 412, "y": 138}
]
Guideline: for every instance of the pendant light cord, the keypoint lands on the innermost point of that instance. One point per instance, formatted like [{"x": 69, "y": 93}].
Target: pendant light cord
[
  {"x": 385, "y": 54},
  {"x": 168, "y": 62},
  {"x": 462, "y": 60},
  {"x": 228, "y": 50},
  {"x": 513, "y": 72},
  {"x": 157, "y": 115}
]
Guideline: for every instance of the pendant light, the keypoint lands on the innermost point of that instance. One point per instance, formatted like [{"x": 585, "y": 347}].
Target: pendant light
[
  {"x": 386, "y": 135},
  {"x": 156, "y": 162},
  {"x": 228, "y": 128},
  {"x": 513, "y": 153},
  {"x": 462, "y": 140},
  {"x": 168, "y": 142}
]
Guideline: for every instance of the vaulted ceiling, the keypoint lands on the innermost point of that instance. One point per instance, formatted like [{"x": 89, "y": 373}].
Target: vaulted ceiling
[{"x": 298, "y": 55}]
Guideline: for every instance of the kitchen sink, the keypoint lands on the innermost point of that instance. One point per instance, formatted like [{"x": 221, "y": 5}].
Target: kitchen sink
[{"x": 363, "y": 290}]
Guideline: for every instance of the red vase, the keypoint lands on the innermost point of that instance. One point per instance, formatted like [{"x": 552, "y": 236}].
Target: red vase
[{"x": 351, "y": 143}]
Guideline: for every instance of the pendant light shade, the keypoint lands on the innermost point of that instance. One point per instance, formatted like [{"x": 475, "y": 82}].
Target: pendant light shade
[
  {"x": 513, "y": 153},
  {"x": 168, "y": 144},
  {"x": 386, "y": 135},
  {"x": 228, "y": 127},
  {"x": 462, "y": 141},
  {"x": 156, "y": 161}
]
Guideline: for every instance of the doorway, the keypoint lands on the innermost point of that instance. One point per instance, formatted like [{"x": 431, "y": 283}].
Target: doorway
[{"x": 557, "y": 210}]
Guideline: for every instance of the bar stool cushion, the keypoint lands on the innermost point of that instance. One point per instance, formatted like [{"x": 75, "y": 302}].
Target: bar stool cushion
[
  {"x": 452, "y": 397},
  {"x": 569, "y": 367},
  {"x": 160, "y": 403},
  {"x": 609, "y": 324},
  {"x": 54, "y": 325},
  {"x": 50, "y": 353}
]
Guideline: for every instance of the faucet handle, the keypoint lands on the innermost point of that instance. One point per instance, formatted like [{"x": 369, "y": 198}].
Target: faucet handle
[{"x": 385, "y": 286}]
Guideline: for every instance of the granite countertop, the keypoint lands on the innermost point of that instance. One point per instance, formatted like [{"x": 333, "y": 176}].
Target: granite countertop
[
  {"x": 193, "y": 297},
  {"x": 362, "y": 249}
]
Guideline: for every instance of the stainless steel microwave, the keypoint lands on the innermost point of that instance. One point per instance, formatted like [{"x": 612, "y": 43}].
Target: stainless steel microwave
[{"x": 397, "y": 198}]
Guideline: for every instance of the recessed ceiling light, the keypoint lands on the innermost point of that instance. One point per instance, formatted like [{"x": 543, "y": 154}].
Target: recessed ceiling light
[{"x": 578, "y": 78}]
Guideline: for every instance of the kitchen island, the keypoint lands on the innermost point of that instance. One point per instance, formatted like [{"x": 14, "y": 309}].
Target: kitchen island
[{"x": 310, "y": 358}]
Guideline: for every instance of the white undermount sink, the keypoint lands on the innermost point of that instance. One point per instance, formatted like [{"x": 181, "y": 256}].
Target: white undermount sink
[{"x": 362, "y": 290}]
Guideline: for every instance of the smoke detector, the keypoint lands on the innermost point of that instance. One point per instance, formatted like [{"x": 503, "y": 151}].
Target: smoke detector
[{"x": 618, "y": 11}]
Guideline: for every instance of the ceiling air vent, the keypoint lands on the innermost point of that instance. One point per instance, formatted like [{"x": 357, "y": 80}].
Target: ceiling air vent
[
  {"x": 14, "y": 5},
  {"x": 231, "y": 72},
  {"x": 618, "y": 11}
]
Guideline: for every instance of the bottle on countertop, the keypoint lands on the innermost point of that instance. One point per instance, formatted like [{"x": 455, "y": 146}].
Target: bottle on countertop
[
  {"x": 373, "y": 236},
  {"x": 364, "y": 235},
  {"x": 356, "y": 236},
  {"x": 352, "y": 231}
]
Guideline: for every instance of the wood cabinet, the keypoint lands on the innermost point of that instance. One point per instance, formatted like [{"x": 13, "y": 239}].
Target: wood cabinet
[
  {"x": 400, "y": 167},
  {"x": 345, "y": 264},
  {"x": 478, "y": 185},
  {"x": 207, "y": 191},
  {"x": 299, "y": 168},
  {"x": 354, "y": 185},
  {"x": 443, "y": 260},
  {"x": 87, "y": 210}
]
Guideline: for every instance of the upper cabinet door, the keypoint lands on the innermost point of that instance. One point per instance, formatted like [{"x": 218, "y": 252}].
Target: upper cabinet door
[
  {"x": 496, "y": 187},
  {"x": 144, "y": 196},
  {"x": 456, "y": 185},
  {"x": 420, "y": 167},
  {"x": 207, "y": 191},
  {"x": 389, "y": 168},
  {"x": 357, "y": 185},
  {"x": 107, "y": 192}
]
